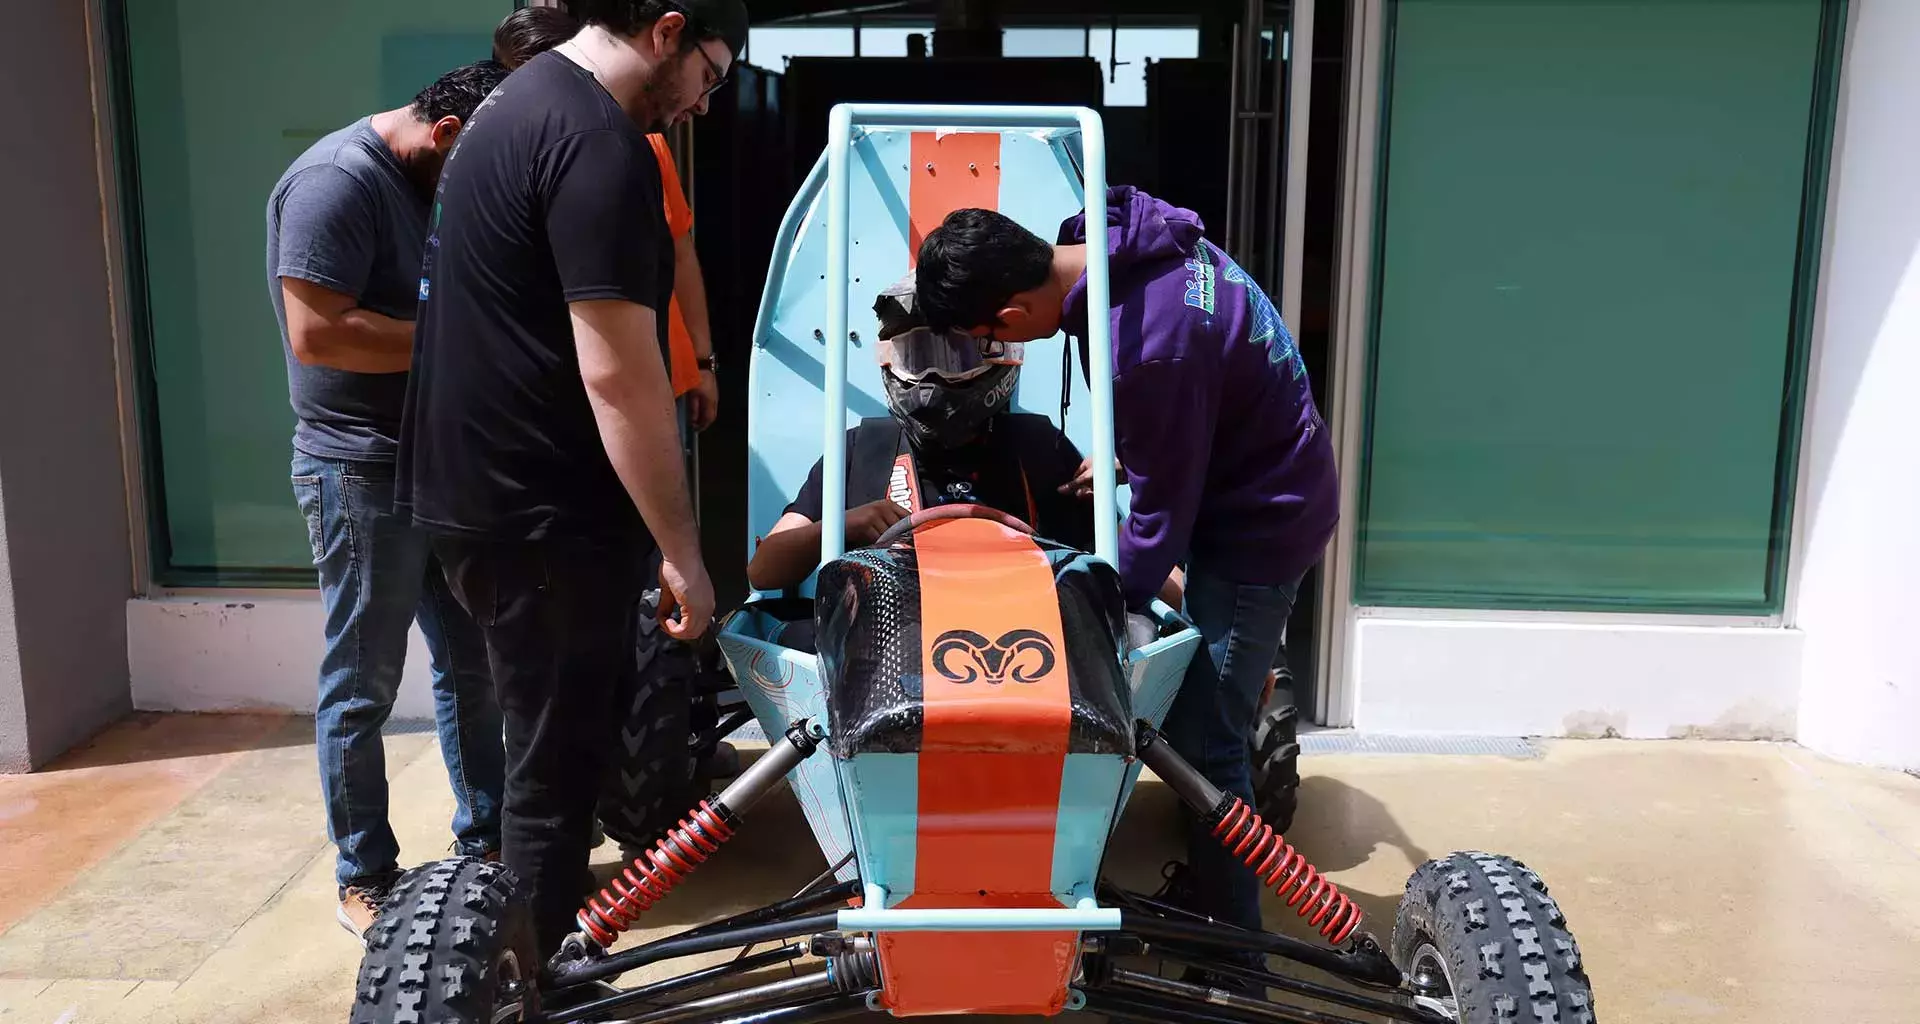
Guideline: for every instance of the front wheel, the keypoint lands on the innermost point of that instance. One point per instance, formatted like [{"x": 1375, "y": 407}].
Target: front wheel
[
  {"x": 1480, "y": 940},
  {"x": 452, "y": 945}
]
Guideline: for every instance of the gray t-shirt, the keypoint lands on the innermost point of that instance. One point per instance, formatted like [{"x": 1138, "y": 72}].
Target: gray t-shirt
[{"x": 345, "y": 217}]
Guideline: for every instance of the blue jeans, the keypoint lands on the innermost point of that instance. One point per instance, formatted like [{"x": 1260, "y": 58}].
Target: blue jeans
[
  {"x": 377, "y": 574},
  {"x": 1213, "y": 717}
]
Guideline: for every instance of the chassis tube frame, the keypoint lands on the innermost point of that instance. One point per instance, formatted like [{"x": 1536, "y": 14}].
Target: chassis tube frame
[
  {"x": 668, "y": 986},
  {"x": 674, "y": 947}
]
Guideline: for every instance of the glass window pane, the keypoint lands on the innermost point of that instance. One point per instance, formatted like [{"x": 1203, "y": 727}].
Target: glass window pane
[
  {"x": 1127, "y": 87},
  {"x": 218, "y": 115},
  {"x": 1587, "y": 270},
  {"x": 769, "y": 47},
  {"x": 890, "y": 40},
  {"x": 1044, "y": 42}
]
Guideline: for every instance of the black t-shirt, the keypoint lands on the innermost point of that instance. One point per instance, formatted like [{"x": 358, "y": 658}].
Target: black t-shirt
[
  {"x": 1014, "y": 461},
  {"x": 550, "y": 196}
]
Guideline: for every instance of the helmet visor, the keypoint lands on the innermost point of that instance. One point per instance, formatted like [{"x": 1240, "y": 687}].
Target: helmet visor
[{"x": 951, "y": 355}]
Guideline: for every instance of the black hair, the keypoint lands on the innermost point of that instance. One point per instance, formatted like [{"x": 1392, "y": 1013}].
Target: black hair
[
  {"x": 725, "y": 20},
  {"x": 530, "y": 32},
  {"x": 458, "y": 92},
  {"x": 972, "y": 264}
]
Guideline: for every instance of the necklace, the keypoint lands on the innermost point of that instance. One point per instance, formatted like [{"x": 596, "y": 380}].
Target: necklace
[{"x": 580, "y": 48}]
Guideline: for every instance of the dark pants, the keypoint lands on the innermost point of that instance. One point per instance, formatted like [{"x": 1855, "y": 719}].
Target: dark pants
[
  {"x": 1213, "y": 716},
  {"x": 559, "y": 621}
]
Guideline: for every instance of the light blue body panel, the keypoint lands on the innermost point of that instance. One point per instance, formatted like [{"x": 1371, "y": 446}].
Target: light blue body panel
[
  {"x": 1154, "y": 673},
  {"x": 1090, "y": 802},
  {"x": 884, "y": 791},
  {"x": 782, "y": 687}
]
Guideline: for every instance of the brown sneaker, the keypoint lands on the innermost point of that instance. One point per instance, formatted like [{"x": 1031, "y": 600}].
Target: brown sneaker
[
  {"x": 490, "y": 856},
  {"x": 359, "y": 906}
]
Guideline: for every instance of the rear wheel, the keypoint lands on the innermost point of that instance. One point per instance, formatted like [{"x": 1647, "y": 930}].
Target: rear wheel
[
  {"x": 1480, "y": 940},
  {"x": 652, "y": 777},
  {"x": 1275, "y": 756},
  {"x": 452, "y": 945}
]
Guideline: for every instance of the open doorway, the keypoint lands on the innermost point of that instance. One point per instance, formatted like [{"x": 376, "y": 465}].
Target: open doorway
[{"x": 1203, "y": 105}]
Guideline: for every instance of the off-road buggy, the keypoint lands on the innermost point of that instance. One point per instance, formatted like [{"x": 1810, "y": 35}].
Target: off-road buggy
[{"x": 968, "y": 734}]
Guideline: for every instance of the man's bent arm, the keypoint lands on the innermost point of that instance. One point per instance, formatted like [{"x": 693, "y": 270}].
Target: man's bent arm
[
  {"x": 626, "y": 380},
  {"x": 328, "y": 328}
]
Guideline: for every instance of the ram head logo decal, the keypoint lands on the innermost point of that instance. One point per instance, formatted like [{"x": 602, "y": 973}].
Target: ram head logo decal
[{"x": 1022, "y": 655}]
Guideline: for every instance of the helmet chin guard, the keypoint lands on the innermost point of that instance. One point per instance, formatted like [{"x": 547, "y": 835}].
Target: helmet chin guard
[{"x": 941, "y": 414}]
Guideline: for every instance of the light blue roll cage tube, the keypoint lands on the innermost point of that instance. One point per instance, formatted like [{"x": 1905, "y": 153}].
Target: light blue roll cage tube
[{"x": 846, "y": 119}]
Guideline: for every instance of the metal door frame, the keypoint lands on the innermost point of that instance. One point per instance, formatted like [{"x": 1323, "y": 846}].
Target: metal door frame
[{"x": 1347, "y": 360}]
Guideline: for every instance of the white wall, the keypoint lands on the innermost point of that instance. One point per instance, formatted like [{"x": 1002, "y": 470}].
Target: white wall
[
  {"x": 242, "y": 652},
  {"x": 1512, "y": 675},
  {"x": 67, "y": 567},
  {"x": 1858, "y": 595},
  {"x": 1572, "y": 675}
]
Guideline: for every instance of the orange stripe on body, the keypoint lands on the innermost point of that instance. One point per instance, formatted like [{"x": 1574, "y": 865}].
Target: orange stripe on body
[
  {"x": 992, "y": 750},
  {"x": 958, "y": 171}
]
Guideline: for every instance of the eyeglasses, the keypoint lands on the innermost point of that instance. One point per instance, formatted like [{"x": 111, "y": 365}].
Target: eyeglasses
[{"x": 719, "y": 76}]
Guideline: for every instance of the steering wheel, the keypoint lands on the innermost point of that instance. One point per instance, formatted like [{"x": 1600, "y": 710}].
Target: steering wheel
[{"x": 941, "y": 513}]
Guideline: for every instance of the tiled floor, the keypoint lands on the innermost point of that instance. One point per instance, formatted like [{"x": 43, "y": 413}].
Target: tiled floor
[{"x": 174, "y": 870}]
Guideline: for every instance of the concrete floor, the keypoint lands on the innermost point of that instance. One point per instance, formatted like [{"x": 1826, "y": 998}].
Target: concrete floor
[{"x": 173, "y": 870}]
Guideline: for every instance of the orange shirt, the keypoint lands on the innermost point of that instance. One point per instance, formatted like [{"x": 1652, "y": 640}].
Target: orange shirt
[{"x": 685, "y": 369}]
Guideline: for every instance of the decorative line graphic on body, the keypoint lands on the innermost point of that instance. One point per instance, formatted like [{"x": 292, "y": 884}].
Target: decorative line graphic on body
[
  {"x": 1022, "y": 655},
  {"x": 773, "y": 683}
]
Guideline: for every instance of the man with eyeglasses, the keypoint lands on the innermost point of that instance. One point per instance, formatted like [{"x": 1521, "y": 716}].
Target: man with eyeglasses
[
  {"x": 532, "y": 31},
  {"x": 539, "y": 446}
]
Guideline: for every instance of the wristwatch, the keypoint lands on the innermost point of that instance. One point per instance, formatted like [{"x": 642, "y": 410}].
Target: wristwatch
[{"x": 709, "y": 364}]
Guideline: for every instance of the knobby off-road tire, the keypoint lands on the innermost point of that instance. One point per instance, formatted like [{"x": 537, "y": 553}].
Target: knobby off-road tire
[
  {"x": 1275, "y": 756},
  {"x": 449, "y": 937},
  {"x": 652, "y": 778},
  {"x": 1481, "y": 929}
]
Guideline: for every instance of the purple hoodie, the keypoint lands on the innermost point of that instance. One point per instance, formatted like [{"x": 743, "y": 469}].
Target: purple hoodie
[{"x": 1229, "y": 461}]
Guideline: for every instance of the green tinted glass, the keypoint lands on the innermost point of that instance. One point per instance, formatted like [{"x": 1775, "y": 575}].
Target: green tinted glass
[
  {"x": 1585, "y": 337},
  {"x": 223, "y": 97}
]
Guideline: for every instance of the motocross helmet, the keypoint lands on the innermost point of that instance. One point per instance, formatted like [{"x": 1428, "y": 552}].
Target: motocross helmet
[{"x": 942, "y": 386}]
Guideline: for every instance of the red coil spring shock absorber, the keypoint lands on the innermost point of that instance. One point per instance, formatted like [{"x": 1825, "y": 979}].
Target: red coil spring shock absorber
[
  {"x": 1273, "y": 860},
  {"x": 689, "y": 844},
  {"x": 1283, "y": 869},
  {"x": 654, "y": 873}
]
